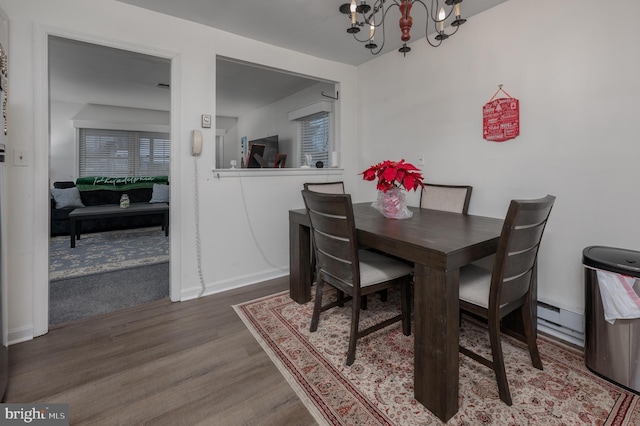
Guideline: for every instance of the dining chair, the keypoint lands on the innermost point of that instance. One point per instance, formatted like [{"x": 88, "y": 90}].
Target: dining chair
[
  {"x": 508, "y": 287},
  {"x": 450, "y": 198},
  {"x": 351, "y": 271},
  {"x": 336, "y": 187},
  {"x": 325, "y": 187}
]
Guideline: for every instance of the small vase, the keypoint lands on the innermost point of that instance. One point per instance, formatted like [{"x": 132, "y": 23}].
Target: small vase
[{"x": 392, "y": 204}]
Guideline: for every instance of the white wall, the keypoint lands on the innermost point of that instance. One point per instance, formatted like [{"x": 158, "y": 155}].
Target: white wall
[
  {"x": 273, "y": 119},
  {"x": 231, "y": 139},
  {"x": 575, "y": 72},
  {"x": 240, "y": 218},
  {"x": 63, "y": 158}
]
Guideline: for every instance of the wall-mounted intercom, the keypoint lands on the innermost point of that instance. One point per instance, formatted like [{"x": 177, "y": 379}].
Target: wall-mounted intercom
[{"x": 196, "y": 143}]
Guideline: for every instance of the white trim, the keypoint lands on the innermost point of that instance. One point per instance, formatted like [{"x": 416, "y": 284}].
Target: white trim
[
  {"x": 314, "y": 108},
  {"x": 41, "y": 163},
  {"x": 41, "y": 185},
  {"x": 231, "y": 173}
]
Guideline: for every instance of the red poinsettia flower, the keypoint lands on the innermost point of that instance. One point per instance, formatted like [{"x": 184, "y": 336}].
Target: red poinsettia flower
[{"x": 396, "y": 174}]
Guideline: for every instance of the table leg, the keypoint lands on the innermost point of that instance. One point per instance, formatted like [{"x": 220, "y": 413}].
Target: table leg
[
  {"x": 72, "y": 232},
  {"x": 436, "y": 377},
  {"x": 165, "y": 221},
  {"x": 299, "y": 262}
]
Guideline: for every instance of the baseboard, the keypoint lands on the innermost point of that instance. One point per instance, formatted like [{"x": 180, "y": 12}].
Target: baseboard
[
  {"x": 225, "y": 285},
  {"x": 20, "y": 335}
]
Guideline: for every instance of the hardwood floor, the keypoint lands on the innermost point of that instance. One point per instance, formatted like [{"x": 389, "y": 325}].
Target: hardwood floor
[{"x": 163, "y": 363}]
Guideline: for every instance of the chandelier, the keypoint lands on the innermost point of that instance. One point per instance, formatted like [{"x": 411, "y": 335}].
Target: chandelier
[{"x": 373, "y": 19}]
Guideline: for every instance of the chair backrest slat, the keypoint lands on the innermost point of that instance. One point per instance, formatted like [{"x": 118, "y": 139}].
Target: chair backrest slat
[
  {"x": 518, "y": 249},
  {"x": 325, "y": 187},
  {"x": 450, "y": 198},
  {"x": 334, "y": 237}
]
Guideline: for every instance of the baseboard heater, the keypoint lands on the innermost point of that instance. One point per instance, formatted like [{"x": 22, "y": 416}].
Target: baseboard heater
[{"x": 561, "y": 323}]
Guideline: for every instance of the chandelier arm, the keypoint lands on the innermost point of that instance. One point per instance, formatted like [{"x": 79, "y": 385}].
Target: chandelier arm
[
  {"x": 384, "y": 13},
  {"x": 381, "y": 44},
  {"x": 426, "y": 26},
  {"x": 454, "y": 31},
  {"x": 381, "y": 24},
  {"x": 432, "y": 11},
  {"x": 377, "y": 6}
]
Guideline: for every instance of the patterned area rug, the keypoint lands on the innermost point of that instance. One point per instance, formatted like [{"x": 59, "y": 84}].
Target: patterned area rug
[
  {"x": 378, "y": 388},
  {"x": 107, "y": 251}
]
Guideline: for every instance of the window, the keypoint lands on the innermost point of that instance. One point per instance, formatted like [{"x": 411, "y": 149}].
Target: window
[
  {"x": 119, "y": 153},
  {"x": 314, "y": 138}
]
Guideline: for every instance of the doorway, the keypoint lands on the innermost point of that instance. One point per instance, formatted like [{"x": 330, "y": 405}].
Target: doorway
[{"x": 121, "y": 100}]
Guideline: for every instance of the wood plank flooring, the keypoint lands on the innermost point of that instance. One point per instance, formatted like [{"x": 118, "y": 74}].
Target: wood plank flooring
[{"x": 163, "y": 363}]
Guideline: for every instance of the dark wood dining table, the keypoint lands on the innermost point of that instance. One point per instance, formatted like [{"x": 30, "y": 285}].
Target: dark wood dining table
[{"x": 438, "y": 243}]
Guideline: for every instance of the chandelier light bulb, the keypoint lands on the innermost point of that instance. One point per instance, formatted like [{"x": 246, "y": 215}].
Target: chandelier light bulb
[
  {"x": 372, "y": 30},
  {"x": 441, "y": 15},
  {"x": 353, "y": 8}
]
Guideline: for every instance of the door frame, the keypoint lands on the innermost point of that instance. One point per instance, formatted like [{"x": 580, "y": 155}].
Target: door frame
[{"x": 41, "y": 163}]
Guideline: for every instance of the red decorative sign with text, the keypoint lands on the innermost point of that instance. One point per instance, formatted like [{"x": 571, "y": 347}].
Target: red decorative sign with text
[{"x": 501, "y": 119}]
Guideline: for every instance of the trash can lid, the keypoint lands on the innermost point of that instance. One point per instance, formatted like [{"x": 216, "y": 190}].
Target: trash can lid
[{"x": 621, "y": 261}]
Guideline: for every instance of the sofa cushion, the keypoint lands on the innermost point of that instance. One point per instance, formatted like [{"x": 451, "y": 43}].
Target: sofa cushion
[
  {"x": 160, "y": 194},
  {"x": 66, "y": 197}
]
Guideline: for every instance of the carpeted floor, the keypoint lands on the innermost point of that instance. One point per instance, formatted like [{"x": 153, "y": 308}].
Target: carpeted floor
[
  {"x": 76, "y": 298},
  {"x": 106, "y": 272},
  {"x": 378, "y": 388}
]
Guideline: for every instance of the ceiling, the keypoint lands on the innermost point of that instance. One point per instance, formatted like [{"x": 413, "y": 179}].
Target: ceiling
[
  {"x": 313, "y": 27},
  {"x": 88, "y": 73}
]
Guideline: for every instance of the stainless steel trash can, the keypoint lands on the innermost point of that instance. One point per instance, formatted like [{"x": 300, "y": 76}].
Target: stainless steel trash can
[{"x": 611, "y": 350}]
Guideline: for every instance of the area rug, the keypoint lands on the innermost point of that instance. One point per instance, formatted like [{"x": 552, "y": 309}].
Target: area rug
[
  {"x": 107, "y": 251},
  {"x": 378, "y": 388}
]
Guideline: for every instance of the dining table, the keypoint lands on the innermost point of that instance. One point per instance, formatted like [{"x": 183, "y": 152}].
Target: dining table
[{"x": 438, "y": 243}]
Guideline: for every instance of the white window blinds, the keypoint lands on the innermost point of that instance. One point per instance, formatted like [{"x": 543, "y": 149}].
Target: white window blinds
[
  {"x": 119, "y": 153},
  {"x": 314, "y": 138}
]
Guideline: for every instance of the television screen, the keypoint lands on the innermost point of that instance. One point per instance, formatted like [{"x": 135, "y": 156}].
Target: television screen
[{"x": 270, "y": 150}]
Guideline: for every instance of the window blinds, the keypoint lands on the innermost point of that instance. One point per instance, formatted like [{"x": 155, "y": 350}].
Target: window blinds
[
  {"x": 314, "y": 138},
  {"x": 119, "y": 153}
]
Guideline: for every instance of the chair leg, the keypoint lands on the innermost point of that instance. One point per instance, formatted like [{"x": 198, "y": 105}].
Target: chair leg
[
  {"x": 353, "y": 337},
  {"x": 530, "y": 336},
  {"x": 340, "y": 297},
  {"x": 384, "y": 295},
  {"x": 405, "y": 306},
  {"x": 498, "y": 361},
  {"x": 317, "y": 306},
  {"x": 312, "y": 267},
  {"x": 363, "y": 303}
]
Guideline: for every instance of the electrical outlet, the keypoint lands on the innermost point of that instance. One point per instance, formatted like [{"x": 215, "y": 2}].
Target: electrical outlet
[
  {"x": 20, "y": 157},
  {"x": 421, "y": 159}
]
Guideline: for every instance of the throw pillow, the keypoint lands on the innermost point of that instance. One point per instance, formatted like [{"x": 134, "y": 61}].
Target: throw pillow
[
  {"x": 66, "y": 197},
  {"x": 160, "y": 193}
]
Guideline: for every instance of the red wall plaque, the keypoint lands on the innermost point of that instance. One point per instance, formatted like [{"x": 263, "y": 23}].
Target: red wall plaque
[{"x": 501, "y": 119}]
